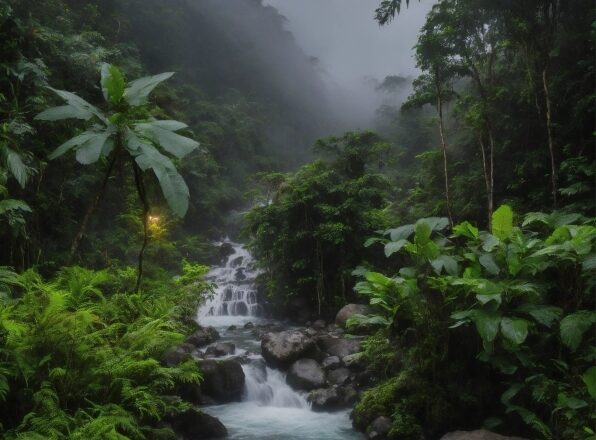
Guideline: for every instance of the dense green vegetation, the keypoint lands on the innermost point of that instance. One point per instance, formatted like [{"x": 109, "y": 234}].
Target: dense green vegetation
[{"x": 466, "y": 219}]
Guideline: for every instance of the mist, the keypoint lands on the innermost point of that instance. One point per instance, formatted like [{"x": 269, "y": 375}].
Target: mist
[{"x": 354, "y": 55}]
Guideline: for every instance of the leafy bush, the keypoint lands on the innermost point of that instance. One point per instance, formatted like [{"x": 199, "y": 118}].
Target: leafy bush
[{"x": 527, "y": 293}]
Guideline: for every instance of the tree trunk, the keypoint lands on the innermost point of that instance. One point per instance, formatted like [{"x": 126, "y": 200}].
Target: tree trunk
[
  {"x": 143, "y": 197},
  {"x": 487, "y": 181},
  {"x": 444, "y": 148},
  {"x": 549, "y": 133},
  {"x": 92, "y": 207}
]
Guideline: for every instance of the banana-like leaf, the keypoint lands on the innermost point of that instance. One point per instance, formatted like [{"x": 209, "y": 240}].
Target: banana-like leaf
[
  {"x": 137, "y": 91},
  {"x": 72, "y": 143},
  {"x": 171, "y": 182},
  {"x": 90, "y": 151},
  {"x": 17, "y": 168},
  {"x": 112, "y": 83},
  {"x": 64, "y": 112},
  {"x": 173, "y": 143},
  {"x": 82, "y": 107},
  {"x": 169, "y": 125}
]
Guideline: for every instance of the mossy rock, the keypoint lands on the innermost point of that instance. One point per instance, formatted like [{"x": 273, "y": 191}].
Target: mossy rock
[{"x": 377, "y": 401}]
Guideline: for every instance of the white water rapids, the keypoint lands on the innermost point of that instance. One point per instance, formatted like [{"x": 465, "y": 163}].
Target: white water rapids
[{"x": 270, "y": 409}]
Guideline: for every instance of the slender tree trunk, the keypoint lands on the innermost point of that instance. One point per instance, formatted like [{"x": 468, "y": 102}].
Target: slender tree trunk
[
  {"x": 143, "y": 197},
  {"x": 491, "y": 143},
  {"x": 444, "y": 148},
  {"x": 487, "y": 181},
  {"x": 549, "y": 133},
  {"x": 92, "y": 207},
  {"x": 320, "y": 280}
]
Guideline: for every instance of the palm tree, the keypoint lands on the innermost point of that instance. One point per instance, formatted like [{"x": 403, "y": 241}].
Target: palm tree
[{"x": 126, "y": 132}]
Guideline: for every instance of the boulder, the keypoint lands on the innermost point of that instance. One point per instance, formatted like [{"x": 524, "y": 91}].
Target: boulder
[
  {"x": 197, "y": 425},
  {"x": 283, "y": 348},
  {"x": 379, "y": 428},
  {"x": 349, "y": 396},
  {"x": 349, "y": 310},
  {"x": 178, "y": 354},
  {"x": 319, "y": 324},
  {"x": 479, "y": 434},
  {"x": 331, "y": 362},
  {"x": 222, "y": 380},
  {"x": 249, "y": 325},
  {"x": 305, "y": 374},
  {"x": 339, "y": 376},
  {"x": 203, "y": 336},
  {"x": 354, "y": 361},
  {"x": 221, "y": 349},
  {"x": 340, "y": 347},
  {"x": 310, "y": 331},
  {"x": 325, "y": 399}
]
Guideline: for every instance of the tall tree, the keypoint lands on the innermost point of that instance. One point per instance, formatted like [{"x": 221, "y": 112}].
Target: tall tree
[
  {"x": 127, "y": 133},
  {"x": 435, "y": 86}
]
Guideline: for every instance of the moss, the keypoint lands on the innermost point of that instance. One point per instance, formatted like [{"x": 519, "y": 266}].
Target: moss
[
  {"x": 377, "y": 401},
  {"x": 405, "y": 425}
]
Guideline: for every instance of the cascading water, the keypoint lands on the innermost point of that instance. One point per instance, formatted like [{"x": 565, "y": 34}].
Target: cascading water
[
  {"x": 235, "y": 294},
  {"x": 270, "y": 408}
]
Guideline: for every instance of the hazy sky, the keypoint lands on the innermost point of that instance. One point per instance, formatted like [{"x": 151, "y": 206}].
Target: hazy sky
[{"x": 348, "y": 42}]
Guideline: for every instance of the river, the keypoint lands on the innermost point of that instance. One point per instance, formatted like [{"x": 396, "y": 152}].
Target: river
[{"x": 270, "y": 409}]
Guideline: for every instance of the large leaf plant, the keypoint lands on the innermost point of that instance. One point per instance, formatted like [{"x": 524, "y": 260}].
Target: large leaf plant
[{"x": 127, "y": 132}]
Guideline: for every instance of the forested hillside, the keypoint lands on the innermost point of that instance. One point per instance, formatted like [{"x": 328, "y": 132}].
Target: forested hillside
[{"x": 137, "y": 134}]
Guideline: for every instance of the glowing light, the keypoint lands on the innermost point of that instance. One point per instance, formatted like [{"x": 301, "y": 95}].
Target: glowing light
[{"x": 153, "y": 219}]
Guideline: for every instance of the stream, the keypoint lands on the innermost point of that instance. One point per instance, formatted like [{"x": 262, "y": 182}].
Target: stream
[{"x": 270, "y": 409}]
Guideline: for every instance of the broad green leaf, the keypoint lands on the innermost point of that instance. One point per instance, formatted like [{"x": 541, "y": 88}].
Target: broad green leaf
[
  {"x": 172, "y": 184},
  {"x": 487, "y": 324},
  {"x": 90, "y": 151},
  {"x": 173, "y": 143},
  {"x": 446, "y": 262},
  {"x": 435, "y": 223},
  {"x": 8, "y": 205},
  {"x": 72, "y": 143},
  {"x": 112, "y": 83},
  {"x": 589, "y": 262},
  {"x": 64, "y": 112},
  {"x": 169, "y": 125},
  {"x": 545, "y": 315},
  {"x": 17, "y": 168},
  {"x": 378, "y": 278},
  {"x": 489, "y": 242},
  {"x": 484, "y": 299},
  {"x": 502, "y": 222},
  {"x": 394, "y": 246},
  {"x": 401, "y": 233},
  {"x": 139, "y": 90},
  {"x": 589, "y": 378},
  {"x": 80, "y": 104},
  {"x": 423, "y": 232},
  {"x": 372, "y": 240},
  {"x": 466, "y": 229},
  {"x": 573, "y": 327},
  {"x": 514, "y": 329},
  {"x": 487, "y": 261}
]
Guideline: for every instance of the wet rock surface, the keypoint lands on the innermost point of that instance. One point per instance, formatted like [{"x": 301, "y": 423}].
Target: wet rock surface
[
  {"x": 479, "y": 434},
  {"x": 197, "y": 425},
  {"x": 349, "y": 310},
  {"x": 223, "y": 380},
  {"x": 305, "y": 374},
  {"x": 283, "y": 348},
  {"x": 202, "y": 337}
]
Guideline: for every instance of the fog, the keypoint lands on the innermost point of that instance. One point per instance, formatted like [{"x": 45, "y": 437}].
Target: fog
[{"x": 353, "y": 53}]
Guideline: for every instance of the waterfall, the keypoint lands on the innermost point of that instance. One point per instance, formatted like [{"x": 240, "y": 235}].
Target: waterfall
[
  {"x": 268, "y": 387},
  {"x": 235, "y": 292}
]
